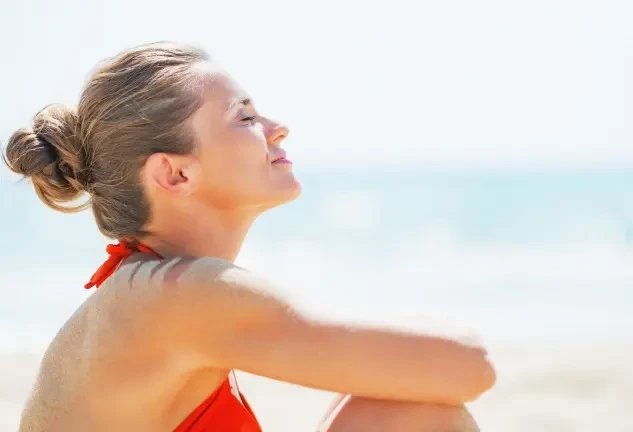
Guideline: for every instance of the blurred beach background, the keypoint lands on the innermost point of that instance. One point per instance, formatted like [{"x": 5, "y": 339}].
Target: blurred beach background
[{"x": 463, "y": 163}]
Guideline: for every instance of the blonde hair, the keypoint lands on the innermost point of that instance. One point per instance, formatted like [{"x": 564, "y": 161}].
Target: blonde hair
[{"x": 132, "y": 106}]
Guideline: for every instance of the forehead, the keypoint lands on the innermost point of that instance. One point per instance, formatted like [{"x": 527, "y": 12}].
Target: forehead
[
  {"x": 220, "y": 89},
  {"x": 221, "y": 93}
]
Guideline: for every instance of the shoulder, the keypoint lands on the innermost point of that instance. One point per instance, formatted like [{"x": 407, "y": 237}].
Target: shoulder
[
  {"x": 146, "y": 282},
  {"x": 195, "y": 302},
  {"x": 140, "y": 274}
]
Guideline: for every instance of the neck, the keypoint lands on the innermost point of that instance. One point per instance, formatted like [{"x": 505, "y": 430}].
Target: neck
[{"x": 219, "y": 234}]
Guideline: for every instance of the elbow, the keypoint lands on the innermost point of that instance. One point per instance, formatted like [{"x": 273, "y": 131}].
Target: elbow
[
  {"x": 480, "y": 377},
  {"x": 484, "y": 377},
  {"x": 471, "y": 376}
]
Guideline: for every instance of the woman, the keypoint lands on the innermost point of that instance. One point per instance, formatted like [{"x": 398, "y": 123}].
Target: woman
[{"x": 177, "y": 164}]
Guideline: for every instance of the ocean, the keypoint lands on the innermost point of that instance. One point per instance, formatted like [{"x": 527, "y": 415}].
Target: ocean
[{"x": 537, "y": 262}]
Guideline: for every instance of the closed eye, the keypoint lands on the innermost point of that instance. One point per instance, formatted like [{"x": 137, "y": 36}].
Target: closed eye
[{"x": 250, "y": 119}]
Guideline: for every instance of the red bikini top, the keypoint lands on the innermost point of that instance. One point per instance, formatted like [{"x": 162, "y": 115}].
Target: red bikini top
[{"x": 226, "y": 409}]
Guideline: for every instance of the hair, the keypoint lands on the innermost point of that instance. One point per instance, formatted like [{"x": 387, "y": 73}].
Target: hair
[{"x": 134, "y": 105}]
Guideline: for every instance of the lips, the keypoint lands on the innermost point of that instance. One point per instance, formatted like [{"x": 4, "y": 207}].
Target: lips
[{"x": 281, "y": 159}]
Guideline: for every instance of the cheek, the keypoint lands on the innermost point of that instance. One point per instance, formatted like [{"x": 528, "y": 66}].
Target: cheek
[
  {"x": 244, "y": 158},
  {"x": 237, "y": 168},
  {"x": 244, "y": 147}
]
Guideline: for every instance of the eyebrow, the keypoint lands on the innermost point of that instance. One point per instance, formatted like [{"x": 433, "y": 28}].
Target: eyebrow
[{"x": 245, "y": 101}]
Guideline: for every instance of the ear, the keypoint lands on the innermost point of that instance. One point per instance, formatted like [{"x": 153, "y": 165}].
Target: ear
[{"x": 175, "y": 174}]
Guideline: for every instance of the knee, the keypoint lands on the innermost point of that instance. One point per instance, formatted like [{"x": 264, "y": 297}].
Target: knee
[{"x": 367, "y": 415}]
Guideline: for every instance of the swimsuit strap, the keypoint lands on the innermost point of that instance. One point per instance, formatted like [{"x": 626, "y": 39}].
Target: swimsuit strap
[{"x": 116, "y": 254}]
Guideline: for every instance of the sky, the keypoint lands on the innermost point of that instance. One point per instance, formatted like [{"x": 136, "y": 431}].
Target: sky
[
  {"x": 451, "y": 84},
  {"x": 409, "y": 87}
]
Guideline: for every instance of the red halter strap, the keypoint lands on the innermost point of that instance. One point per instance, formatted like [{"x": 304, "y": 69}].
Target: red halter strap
[{"x": 116, "y": 254}]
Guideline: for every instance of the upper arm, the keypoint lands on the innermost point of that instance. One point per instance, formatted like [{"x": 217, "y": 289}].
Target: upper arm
[
  {"x": 200, "y": 308},
  {"x": 218, "y": 314}
]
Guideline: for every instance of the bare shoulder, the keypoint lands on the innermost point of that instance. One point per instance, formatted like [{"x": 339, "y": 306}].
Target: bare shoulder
[
  {"x": 200, "y": 304},
  {"x": 143, "y": 284},
  {"x": 147, "y": 323}
]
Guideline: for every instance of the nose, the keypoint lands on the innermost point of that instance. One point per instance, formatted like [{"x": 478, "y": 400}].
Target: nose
[{"x": 276, "y": 134}]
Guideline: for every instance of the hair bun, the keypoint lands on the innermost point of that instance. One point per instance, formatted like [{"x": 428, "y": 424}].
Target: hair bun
[{"x": 50, "y": 154}]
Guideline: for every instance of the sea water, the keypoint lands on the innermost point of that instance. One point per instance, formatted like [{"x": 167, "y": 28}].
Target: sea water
[{"x": 544, "y": 256}]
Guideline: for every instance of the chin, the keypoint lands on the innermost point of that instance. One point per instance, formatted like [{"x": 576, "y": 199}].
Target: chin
[
  {"x": 294, "y": 190},
  {"x": 291, "y": 193},
  {"x": 287, "y": 194}
]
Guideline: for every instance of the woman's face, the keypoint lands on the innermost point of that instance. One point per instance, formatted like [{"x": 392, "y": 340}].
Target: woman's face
[{"x": 241, "y": 162}]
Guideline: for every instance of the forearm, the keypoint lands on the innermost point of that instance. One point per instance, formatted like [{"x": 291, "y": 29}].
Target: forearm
[
  {"x": 379, "y": 363},
  {"x": 229, "y": 318}
]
